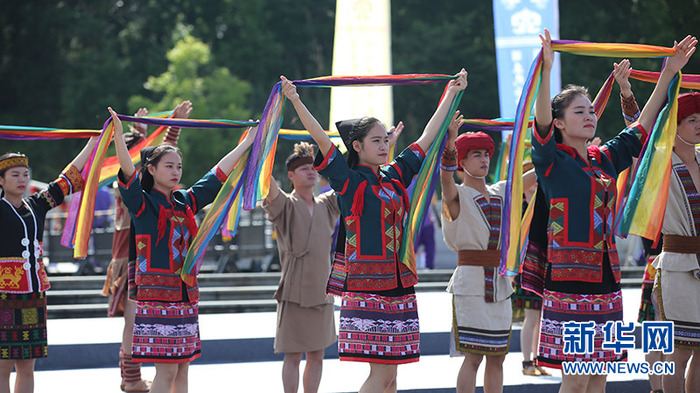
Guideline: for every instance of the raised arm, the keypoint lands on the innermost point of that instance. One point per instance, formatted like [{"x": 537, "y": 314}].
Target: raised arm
[
  {"x": 543, "y": 106},
  {"x": 227, "y": 163},
  {"x": 433, "y": 127},
  {"x": 307, "y": 119},
  {"x": 120, "y": 145},
  {"x": 684, "y": 50},
  {"x": 182, "y": 111},
  {"x": 621, "y": 73},
  {"x": 529, "y": 179},
  {"x": 82, "y": 157},
  {"x": 450, "y": 196},
  {"x": 274, "y": 190}
]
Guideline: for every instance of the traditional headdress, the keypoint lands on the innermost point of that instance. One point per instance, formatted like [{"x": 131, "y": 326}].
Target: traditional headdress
[
  {"x": 688, "y": 104},
  {"x": 347, "y": 129},
  {"x": 14, "y": 160},
  {"x": 303, "y": 154},
  {"x": 473, "y": 141}
]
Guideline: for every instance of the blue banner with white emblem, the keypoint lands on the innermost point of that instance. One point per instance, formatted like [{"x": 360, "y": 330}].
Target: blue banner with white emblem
[{"x": 516, "y": 25}]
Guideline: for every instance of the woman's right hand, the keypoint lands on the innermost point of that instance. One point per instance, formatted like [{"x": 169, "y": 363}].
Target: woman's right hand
[
  {"x": 288, "y": 89},
  {"x": 547, "y": 51},
  {"x": 118, "y": 130}
]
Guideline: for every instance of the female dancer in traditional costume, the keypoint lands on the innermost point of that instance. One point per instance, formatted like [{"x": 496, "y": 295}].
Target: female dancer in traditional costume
[
  {"x": 115, "y": 286},
  {"x": 23, "y": 279},
  {"x": 378, "y": 317},
  {"x": 304, "y": 225},
  {"x": 677, "y": 284},
  {"x": 472, "y": 215},
  {"x": 581, "y": 276},
  {"x": 166, "y": 326}
]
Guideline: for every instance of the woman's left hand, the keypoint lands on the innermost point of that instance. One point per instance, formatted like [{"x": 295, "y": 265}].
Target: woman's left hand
[
  {"x": 459, "y": 83},
  {"x": 684, "y": 50}
]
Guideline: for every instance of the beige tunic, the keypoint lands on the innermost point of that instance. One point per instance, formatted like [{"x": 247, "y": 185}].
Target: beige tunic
[
  {"x": 470, "y": 231},
  {"x": 478, "y": 326},
  {"x": 678, "y": 280},
  {"x": 304, "y": 311}
]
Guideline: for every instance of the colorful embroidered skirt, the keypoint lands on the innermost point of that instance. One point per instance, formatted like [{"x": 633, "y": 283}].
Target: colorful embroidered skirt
[
  {"x": 679, "y": 301},
  {"x": 559, "y": 308},
  {"x": 379, "y": 329},
  {"x": 304, "y": 329},
  {"x": 166, "y": 332},
  {"x": 22, "y": 325},
  {"x": 479, "y": 327}
]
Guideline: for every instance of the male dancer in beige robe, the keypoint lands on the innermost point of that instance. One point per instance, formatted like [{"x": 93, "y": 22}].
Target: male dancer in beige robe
[{"x": 304, "y": 226}]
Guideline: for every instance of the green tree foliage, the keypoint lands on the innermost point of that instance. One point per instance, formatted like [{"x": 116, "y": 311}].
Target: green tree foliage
[{"x": 215, "y": 94}]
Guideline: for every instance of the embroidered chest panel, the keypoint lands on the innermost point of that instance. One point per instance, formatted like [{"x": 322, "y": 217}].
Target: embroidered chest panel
[
  {"x": 376, "y": 271},
  {"x": 582, "y": 260}
]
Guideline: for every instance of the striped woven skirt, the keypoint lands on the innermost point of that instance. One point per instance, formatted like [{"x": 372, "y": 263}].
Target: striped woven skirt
[
  {"x": 166, "y": 332},
  {"x": 679, "y": 301},
  {"x": 559, "y": 308},
  {"x": 22, "y": 325},
  {"x": 379, "y": 329},
  {"x": 479, "y": 327}
]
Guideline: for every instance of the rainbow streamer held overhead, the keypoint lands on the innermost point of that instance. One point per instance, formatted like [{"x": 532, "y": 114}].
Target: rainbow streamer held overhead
[
  {"x": 511, "y": 230},
  {"x": 258, "y": 166},
  {"x": 86, "y": 209},
  {"x": 426, "y": 179},
  {"x": 688, "y": 81},
  {"x": 645, "y": 206},
  {"x": 262, "y": 153},
  {"x": 495, "y": 125},
  {"x": 85, "y": 212},
  {"x": 25, "y": 133},
  {"x": 228, "y": 196}
]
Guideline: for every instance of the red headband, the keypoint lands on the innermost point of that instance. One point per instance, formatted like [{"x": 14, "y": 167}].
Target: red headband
[
  {"x": 473, "y": 141},
  {"x": 688, "y": 104}
]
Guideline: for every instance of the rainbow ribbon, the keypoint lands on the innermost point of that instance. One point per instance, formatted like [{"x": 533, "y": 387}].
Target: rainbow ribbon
[
  {"x": 645, "y": 206},
  {"x": 85, "y": 211},
  {"x": 511, "y": 239},
  {"x": 426, "y": 179},
  {"x": 228, "y": 199},
  {"x": 43, "y": 133},
  {"x": 688, "y": 81},
  {"x": 258, "y": 166}
]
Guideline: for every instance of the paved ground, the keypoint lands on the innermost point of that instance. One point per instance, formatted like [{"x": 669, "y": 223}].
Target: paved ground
[{"x": 237, "y": 357}]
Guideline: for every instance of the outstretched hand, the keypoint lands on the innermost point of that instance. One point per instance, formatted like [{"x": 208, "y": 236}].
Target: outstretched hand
[
  {"x": 395, "y": 133},
  {"x": 116, "y": 121},
  {"x": 547, "y": 51},
  {"x": 288, "y": 88},
  {"x": 141, "y": 127},
  {"x": 459, "y": 83},
  {"x": 250, "y": 136},
  {"x": 621, "y": 73},
  {"x": 183, "y": 110},
  {"x": 684, "y": 50},
  {"x": 453, "y": 128}
]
